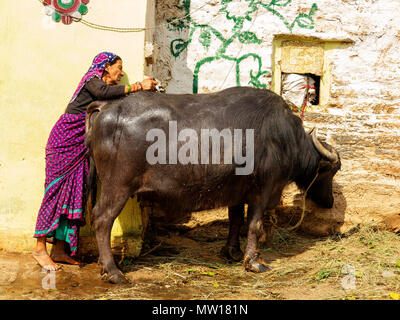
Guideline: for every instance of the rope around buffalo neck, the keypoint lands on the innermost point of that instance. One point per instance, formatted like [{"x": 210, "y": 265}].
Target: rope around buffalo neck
[{"x": 274, "y": 220}]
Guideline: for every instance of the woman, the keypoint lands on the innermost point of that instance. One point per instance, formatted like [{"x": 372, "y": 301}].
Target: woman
[{"x": 62, "y": 210}]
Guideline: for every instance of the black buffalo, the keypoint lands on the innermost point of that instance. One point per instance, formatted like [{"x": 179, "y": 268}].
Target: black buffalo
[{"x": 283, "y": 153}]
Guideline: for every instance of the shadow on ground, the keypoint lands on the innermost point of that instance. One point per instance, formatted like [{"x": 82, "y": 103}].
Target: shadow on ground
[{"x": 184, "y": 263}]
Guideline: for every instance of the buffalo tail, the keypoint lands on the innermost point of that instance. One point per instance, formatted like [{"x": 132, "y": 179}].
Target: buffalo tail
[{"x": 91, "y": 189}]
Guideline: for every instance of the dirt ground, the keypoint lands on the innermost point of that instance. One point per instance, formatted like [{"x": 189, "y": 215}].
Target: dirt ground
[{"x": 362, "y": 264}]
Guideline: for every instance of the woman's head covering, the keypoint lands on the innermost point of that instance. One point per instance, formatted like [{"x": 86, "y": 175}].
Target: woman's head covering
[{"x": 95, "y": 70}]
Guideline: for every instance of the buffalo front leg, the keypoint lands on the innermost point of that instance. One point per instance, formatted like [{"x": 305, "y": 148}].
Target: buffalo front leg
[
  {"x": 232, "y": 248},
  {"x": 106, "y": 210},
  {"x": 252, "y": 259}
]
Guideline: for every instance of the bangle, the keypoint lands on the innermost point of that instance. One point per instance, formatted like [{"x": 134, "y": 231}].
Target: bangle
[{"x": 129, "y": 88}]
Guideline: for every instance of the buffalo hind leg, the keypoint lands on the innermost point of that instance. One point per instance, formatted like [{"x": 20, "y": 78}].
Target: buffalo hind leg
[
  {"x": 232, "y": 248},
  {"x": 256, "y": 233},
  {"x": 110, "y": 204}
]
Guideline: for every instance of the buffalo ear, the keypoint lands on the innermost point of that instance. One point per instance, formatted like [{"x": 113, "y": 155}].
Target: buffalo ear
[{"x": 325, "y": 165}]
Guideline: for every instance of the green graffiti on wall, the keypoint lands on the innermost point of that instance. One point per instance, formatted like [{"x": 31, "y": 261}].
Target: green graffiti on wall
[{"x": 245, "y": 37}]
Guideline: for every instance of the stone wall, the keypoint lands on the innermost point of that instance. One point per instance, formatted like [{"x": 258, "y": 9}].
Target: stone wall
[{"x": 209, "y": 45}]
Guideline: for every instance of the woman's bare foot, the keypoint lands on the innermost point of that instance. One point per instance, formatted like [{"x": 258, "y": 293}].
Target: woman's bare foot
[
  {"x": 41, "y": 256},
  {"x": 64, "y": 258},
  {"x": 45, "y": 261},
  {"x": 58, "y": 254}
]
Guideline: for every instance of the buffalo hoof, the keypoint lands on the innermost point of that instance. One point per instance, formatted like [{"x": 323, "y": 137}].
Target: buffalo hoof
[
  {"x": 232, "y": 253},
  {"x": 115, "y": 277},
  {"x": 257, "y": 264}
]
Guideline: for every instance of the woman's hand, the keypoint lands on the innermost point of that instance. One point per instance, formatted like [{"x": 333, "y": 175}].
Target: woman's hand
[{"x": 149, "y": 84}]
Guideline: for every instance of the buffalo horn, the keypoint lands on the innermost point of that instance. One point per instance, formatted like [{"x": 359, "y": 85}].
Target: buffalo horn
[{"x": 331, "y": 156}]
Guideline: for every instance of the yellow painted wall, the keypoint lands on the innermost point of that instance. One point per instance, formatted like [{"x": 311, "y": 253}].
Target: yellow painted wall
[{"x": 42, "y": 63}]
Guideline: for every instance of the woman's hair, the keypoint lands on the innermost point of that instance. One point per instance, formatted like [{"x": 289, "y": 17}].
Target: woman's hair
[{"x": 113, "y": 61}]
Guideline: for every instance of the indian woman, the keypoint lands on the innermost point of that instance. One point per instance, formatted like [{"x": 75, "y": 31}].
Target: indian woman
[{"x": 62, "y": 211}]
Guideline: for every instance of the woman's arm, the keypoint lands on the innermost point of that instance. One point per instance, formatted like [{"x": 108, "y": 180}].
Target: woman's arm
[
  {"x": 102, "y": 91},
  {"x": 134, "y": 87}
]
